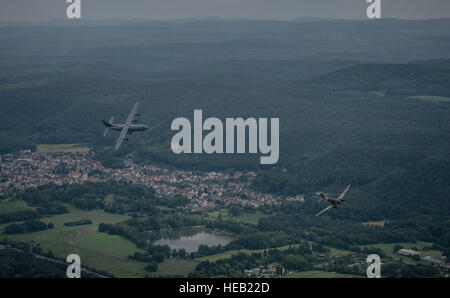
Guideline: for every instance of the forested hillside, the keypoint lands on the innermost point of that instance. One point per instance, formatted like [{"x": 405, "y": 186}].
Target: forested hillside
[{"x": 361, "y": 103}]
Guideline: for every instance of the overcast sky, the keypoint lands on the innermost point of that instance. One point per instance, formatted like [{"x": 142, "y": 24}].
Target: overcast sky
[{"x": 35, "y": 10}]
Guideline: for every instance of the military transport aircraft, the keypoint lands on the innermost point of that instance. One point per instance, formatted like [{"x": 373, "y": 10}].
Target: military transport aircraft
[
  {"x": 334, "y": 202},
  {"x": 128, "y": 127}
]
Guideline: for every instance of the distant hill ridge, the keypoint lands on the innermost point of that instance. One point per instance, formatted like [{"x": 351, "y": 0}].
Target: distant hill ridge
[{"x": 430, "y": 77}]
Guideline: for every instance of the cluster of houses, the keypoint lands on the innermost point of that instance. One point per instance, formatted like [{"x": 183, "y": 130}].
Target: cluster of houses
[
  {"x": 204, "y": 190},
  {"x": 270, "y": 270},
  {"x": 27, "y": 169}
]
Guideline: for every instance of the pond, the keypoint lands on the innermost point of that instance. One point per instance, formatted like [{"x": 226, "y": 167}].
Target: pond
[{"x": 191, "y": 241}]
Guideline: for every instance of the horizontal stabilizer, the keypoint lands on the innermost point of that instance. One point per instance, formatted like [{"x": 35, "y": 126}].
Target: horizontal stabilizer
[{"x": 108, "y": 124}]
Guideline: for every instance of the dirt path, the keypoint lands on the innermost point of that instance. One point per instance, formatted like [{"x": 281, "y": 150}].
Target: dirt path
[{"x": 77, "y": 235}]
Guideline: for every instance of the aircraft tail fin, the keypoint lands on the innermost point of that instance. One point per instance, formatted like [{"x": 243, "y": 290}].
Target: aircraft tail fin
[
  {"x": 322, "y": 196},
  {"x": 108, "y": 124}
]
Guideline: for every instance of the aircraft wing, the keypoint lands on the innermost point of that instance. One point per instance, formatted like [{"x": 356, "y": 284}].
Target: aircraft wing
[
  {"x": 324, "y": 210},
  {"x": 341, "y": 196},
  {"x": 125, "y": 128}
]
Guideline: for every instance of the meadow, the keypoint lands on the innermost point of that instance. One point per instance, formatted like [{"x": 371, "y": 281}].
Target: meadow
[
  {"x": 176, "y": 267},
  {"x": 11, "y": 206},
  {"x": 54, "y": 148},
  {"x": 99, "y": 250},
  {"x": 388, "y": 249}
]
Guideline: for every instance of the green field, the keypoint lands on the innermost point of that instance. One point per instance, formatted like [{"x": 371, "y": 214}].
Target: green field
[
  {"x": 176, "y": 267},
  {"x": 53, "y": 148},
  {"x": 319, "y": 274},
  {"x": 99, "y": 250},
  {"x": 339, "y": 252},
  {"x": 12, "y": 206},
  {"x": 432, "y": 253},
  {"x": 388, "y": 248}
]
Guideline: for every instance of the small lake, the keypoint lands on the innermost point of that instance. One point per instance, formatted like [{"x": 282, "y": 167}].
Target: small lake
[{"x": 191, "y": 242}]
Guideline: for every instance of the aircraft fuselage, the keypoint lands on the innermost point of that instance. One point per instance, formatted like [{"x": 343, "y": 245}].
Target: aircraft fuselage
[
  {"x": 334, "y": 201},
  {"x": 132, "y": 128}
]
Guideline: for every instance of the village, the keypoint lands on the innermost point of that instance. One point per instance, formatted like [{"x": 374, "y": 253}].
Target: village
[{"x": 204, "y": 190}]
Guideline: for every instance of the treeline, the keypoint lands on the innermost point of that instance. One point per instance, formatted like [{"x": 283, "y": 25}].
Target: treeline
[
  {"x": 12, "y": 143},
  {"x": 112, "y": 196},
  {"x": 230, "y": 226},
  {"x": 17, "y": 264},
  {"x": 297, "y": 220},
  {"x": 294, "y": 222},
  {"x": 303, "y": 258},
  {"x": 78, "y": 223},
  {"x": 154, "y": 254},
  {"x": 139, "y": 237},
  {"x": 26, "y": 227},
  {"x": 425, "y": 77},
  {"x": 89, "y": 196},
  {"x": 265, "y": 240},
  {"x": 19, "y": 216},
  {"x": 299, "y": 258},
  {"x": 401, "y": 270},
  {"x": 205, "y": 250}
]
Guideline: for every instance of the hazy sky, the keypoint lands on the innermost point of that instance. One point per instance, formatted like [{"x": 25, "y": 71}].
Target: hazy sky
[{"x": 33, "y": 10}]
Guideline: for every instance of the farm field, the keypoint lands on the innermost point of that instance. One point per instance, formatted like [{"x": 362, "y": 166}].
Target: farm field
[
  {"x": 339, "y": 252},
  {"x": 176, "y": 267},
  {"x": 53, "y": 148},
  {"x": 12, "y": 206},
  {"x": 98, "y": 250},
  {"x": 388, "y": 249}
]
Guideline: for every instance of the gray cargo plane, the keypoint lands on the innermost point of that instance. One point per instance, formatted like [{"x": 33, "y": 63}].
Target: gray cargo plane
[
  {"x": 334, "y": 202},
  {"x": 128, "y": 127}
]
